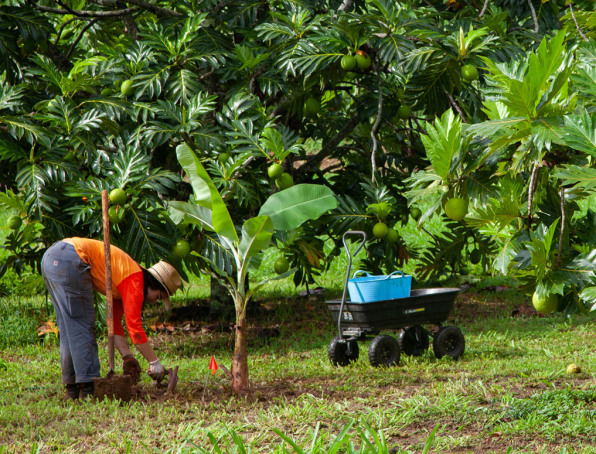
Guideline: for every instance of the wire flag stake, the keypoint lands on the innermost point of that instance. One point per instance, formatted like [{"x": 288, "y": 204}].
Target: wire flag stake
[{"x": 213, "y": 368}]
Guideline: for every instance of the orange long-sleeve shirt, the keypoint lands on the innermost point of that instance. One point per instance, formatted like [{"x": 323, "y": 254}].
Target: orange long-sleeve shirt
[{"x": 127, "y": 284}]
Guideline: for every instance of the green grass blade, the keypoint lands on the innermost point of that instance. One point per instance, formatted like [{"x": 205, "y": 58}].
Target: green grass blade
[
  {"x": 340, "y": 440},
  {"x": 429, "y": 442},
  {"x": 315, "y": 437},
  {"x": 289, "y": 441}
]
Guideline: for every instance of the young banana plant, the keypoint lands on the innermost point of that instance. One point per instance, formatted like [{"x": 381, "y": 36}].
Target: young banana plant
[{"x": 284, "y": 210}]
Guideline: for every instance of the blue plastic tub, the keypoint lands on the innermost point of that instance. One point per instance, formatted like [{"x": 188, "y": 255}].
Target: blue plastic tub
[{"x": 371, "y": 288}]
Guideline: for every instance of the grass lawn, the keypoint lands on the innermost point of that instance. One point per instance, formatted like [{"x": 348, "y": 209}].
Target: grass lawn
[{"x": 510, "y": 392}]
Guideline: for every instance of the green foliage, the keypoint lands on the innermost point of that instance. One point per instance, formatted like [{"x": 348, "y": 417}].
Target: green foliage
[
  {"x": 20, "y": 25},
  {"x": 444, "y": 143},
  {"x": 294, "y": 206},
  {"x": 580, "y": 132},
  {"x": 233, "y": 81},
  {"x": 285, "y": 210},
  {"x": 517, "y": 204}
]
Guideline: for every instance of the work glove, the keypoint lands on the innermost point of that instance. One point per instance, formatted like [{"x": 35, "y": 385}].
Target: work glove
[
  {"x": 156, "y": 371},
  {"x": 130, "y": 366}
]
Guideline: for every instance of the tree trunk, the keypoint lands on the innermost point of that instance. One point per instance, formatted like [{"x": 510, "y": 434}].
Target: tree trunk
[{"x": 240, "y": 359}]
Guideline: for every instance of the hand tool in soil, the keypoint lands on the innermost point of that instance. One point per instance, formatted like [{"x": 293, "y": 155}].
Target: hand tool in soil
[
  {"x": 112, "y": 386},
  {"x": 172, "y": 380}
]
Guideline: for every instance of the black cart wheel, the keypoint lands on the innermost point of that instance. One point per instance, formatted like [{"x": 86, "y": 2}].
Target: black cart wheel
[
  {"x": 338, "y": 352},
  {"x": 449, "y": 341},
  {"x": 383, "y": 351},
  {"x": 413, "y": 341}
]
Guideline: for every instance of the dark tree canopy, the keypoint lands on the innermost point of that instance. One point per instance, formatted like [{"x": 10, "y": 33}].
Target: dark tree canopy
[{"x": 491, "y": 102}]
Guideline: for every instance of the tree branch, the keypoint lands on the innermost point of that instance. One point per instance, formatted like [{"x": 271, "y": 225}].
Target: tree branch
[
  {"x": 533, "y": 15},
  {"x": 483, "y": 9},
  {"x": 456, "y": 107},
  {"x": 313, "y": 161},
  {"x": 85, "y": 28},
  {"x": 346, "y": 5},
  {"x": 373, "y": 131},
  {"x": 62, "y": 27},
  {"x": 404, "y": 129},
  {"x": 576, "y": 24},
  {"x": 409, "y": 152},
  {"x": 531, "y": 191},
  {"x": 131, "y": 26},
  {"x": 157, "y": 10},
  {"x": 562, "y": 234},
  {"x": 87, "y": 13}
]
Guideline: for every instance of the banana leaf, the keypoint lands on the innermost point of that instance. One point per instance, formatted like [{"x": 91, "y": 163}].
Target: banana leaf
[{"x": 289, "y": 208}]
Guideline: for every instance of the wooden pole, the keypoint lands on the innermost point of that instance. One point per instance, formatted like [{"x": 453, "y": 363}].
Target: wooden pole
[{"x": 109, "y": 296}]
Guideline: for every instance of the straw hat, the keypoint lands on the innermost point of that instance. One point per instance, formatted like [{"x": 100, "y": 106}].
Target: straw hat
[{"x": 167, "y": 276}]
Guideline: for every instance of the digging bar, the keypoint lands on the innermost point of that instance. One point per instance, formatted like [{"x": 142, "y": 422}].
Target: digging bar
[
  {"x": 112, "y": 385},
  {"x": 109, "y": 294}
]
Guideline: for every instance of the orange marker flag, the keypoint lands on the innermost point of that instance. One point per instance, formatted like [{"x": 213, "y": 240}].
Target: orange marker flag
[{"x": 213, "y": 365}]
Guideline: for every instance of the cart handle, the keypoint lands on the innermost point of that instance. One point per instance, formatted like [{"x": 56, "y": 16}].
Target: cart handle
[
  {"x": 389, "y": 276},
  {"x": 343, "y": 298}
]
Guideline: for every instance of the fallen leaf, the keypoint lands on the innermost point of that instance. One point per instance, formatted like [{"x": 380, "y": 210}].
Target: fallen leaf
[
  {"x": 48, "y": 327},
  {"x": 169, "y": 327}
]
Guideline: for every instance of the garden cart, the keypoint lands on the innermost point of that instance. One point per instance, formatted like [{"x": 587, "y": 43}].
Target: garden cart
[{"x": 363, "y": 320}]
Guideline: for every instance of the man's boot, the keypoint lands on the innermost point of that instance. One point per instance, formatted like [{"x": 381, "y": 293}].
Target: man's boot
[
  {"x": 87, "y": 390},
  {"x": 72, "y": 391}
]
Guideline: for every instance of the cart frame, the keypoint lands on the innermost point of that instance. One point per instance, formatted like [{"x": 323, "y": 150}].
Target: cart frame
[{"x": 361, "y": 321}]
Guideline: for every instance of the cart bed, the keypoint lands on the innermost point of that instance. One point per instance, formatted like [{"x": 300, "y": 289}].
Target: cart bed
[{"x": 423, "y": 306}]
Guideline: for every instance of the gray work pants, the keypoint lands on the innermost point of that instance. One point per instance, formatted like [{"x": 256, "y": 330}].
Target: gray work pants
[{"x": 68, "y": 280}]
